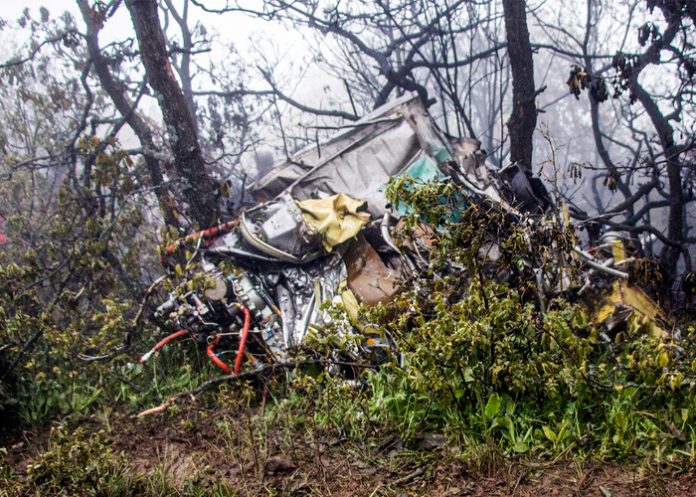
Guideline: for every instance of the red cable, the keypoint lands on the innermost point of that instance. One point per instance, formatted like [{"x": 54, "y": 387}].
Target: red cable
[
  {"x": 216, "y": 360},
  {"x": 161, "y": 344},
  {"x": 207, "y": 235},
  {"x": 242, "y": 342},
  {"x": 240, "y": 350}
]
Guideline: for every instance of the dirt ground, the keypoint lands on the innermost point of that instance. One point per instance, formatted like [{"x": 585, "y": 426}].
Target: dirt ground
[{"x": 201, "y": 447}]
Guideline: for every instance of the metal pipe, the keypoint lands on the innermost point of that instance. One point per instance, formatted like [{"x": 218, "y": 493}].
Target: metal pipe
[{"x": 596, "y": 265}]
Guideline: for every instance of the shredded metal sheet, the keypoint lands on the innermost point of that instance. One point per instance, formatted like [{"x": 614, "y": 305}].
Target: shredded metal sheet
[
  {"x": 358, "y": 162},
  {"x": 278, "y": 229},
  {"x": 303, "y": 290}
]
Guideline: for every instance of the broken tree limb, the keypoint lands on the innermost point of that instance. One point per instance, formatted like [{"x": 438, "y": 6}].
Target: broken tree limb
[
  {"x": 192, "y": 394},
  {"x": 148, "y": 293},
  {"x": 267, "y": 369}
]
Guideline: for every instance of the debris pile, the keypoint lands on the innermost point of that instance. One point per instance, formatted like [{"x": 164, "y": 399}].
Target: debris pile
[{"x": 322, "y": 232}]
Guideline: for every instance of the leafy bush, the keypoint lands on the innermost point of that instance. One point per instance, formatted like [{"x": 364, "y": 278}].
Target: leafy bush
[
  {"x": 487, "y": 358},
  {"x": 86, "y": 464},
  {"x": 72, "y": 280},
  {"x": 79, "y": 464}
]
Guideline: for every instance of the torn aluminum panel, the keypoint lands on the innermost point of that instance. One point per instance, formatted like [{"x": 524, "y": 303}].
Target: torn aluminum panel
[
  {"x": 301, "y": 293},
  {"x": 281, "y": 273},
  {"x": 471, "y": 161},
  {"x": 625, "y": 303},
  {"x": 525, "y": 191},
  {"x": 231, "y": 246},
  {"x": 359, "y": 162},
  {"x": 473, "y": 171},
  {"x": 278, "y": 229},
  {"x": 294, "y": 232}
]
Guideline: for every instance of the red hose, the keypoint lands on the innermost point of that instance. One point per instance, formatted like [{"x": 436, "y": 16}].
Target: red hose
[
  {"x": 216, "y": 360},
  {"x": 240, "y": 351},
  {"x": 208, "y": 235},
  {"x": 161, "y": 344},
  {"x": 242, "y": 341}
]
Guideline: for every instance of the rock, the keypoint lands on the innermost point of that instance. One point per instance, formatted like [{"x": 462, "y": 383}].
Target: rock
[
  {"x": 430, "y": 441},
  {"x": 279, "y": 464}
]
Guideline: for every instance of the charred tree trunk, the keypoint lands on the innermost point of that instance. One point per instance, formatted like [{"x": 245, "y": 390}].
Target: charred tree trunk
[
  {"x": 197, "y": 186},
  {"x": 126, "y": 108},
  {"x": 524, "y": 113}
]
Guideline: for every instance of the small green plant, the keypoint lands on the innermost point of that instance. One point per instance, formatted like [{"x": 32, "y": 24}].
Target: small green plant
[
  {"x": 85, "y": 464},
  {"x": 80, "y": 464}
]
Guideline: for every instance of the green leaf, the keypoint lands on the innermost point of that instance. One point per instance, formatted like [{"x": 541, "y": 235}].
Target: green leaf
[
  {"x": 492, "y": 407},
  {"x": 469, "y": 375},
  {"x": 549, "y": 433},
  {"x": 520, "y": 447}
]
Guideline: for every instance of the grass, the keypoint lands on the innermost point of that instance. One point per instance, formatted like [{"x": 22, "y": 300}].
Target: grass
[{"x": 230, "y": 447}]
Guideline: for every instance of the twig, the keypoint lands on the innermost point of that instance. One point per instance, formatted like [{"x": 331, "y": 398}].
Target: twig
[
  {"x": 270, "y": 369},
  {"x": 409, "y": 477},
  {"x": 25, "y": 347},
  {"x": 148, "y": 293}
]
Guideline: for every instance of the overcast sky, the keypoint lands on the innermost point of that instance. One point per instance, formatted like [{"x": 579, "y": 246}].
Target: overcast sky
[
  {"x": 285, "y": 48},
  {"x": 229, "y": 27}
]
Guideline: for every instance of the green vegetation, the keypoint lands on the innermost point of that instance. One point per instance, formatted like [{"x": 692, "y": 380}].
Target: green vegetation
[
  {"x": 478, "y": 361},
  {"x": 77, "y": 463}
]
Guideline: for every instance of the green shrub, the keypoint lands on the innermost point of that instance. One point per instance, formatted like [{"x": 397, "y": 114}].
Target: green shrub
[{"x": 489, "y": 362}]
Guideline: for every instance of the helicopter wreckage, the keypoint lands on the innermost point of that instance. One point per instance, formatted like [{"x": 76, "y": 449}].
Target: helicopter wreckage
[{"x": 322, "y": 231}]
